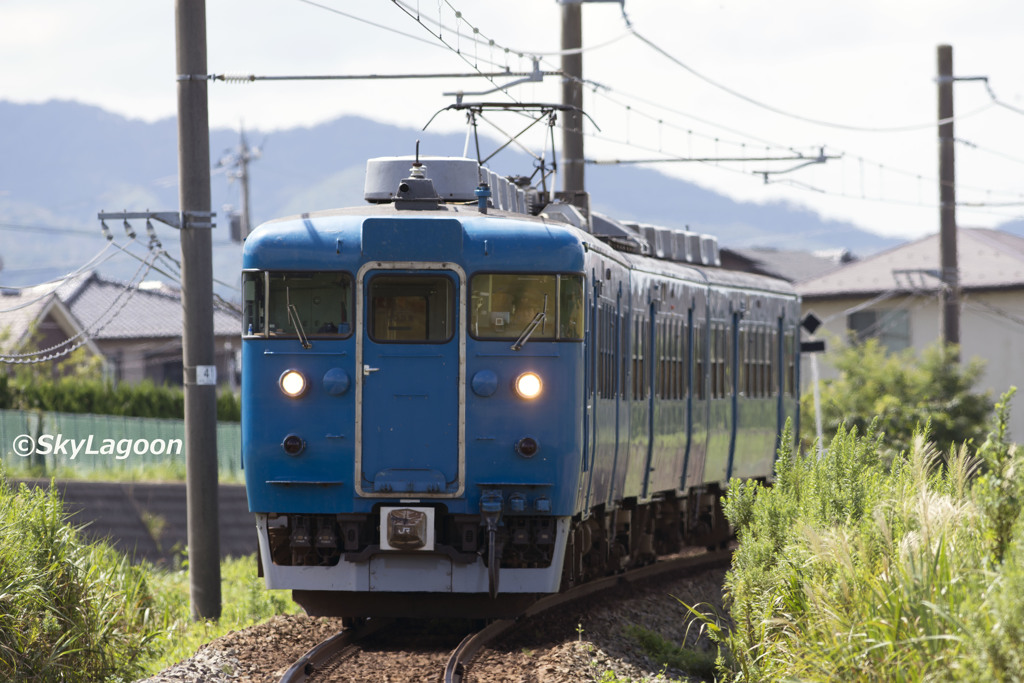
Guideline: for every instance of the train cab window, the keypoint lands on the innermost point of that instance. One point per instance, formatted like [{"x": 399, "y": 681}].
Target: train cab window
[
  {"x": 254, "y": 307},
  {"x": 293, "y": 305},
  {"x": 411, "y": 308},
  {"x": 502, "y": 306}
]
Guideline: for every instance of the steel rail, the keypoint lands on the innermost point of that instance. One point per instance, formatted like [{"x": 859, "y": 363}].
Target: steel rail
[
  {"x": 322, "y": 655},
  {"x": 462, "y": 655}
]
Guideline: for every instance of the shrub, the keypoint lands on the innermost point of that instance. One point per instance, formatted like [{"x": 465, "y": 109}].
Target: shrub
[
  {"x": 903, "y": 392},
  {"x": 76, "y": 395},
  {"x": 865, "y": 565},
  {"x": 69, "y": 610}
]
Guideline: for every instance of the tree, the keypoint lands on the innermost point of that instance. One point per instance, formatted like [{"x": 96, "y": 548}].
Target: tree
[{"x": 903, "y": 391}]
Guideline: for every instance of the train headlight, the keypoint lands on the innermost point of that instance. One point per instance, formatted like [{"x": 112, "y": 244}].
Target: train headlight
[
  {"x": 528, "y": 385},
  {"x": 293, "y": 383}
]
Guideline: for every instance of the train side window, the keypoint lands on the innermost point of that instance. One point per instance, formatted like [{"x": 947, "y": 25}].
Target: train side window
[
  {"x": 714, "y": 360},
  {"x": 789, "y": 361},
  {"x": 773, "y": 364},
  {"x": 317, "y": 304},
  {"x": 699, "y": 376},
  {"x": 411, "y": 308},
  {"x": 624, "y": 353},
  {"x": 606, "y": 335},
  {"x": 570, "y": 307}
]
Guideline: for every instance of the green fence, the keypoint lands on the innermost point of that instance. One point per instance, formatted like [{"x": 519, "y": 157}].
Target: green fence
[{"x": 89, "y": 445}]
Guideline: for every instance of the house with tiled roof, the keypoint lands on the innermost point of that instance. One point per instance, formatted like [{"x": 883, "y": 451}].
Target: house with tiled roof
[
  {"x": 894, "y": 296},
  {"x": 791, "y": 265},
  {"x": 135, "y": 330}
]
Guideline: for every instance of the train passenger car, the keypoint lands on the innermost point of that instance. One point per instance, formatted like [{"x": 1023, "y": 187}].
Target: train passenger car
[{"x": 451, "y": 405}]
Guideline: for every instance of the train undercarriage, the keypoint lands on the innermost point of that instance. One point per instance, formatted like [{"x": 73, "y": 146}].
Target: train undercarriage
[{"x": 605, "y": 542}]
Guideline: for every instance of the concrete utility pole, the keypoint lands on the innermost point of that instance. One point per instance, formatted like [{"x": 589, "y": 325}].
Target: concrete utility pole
[
  {"x": 947, "y": 198},
  {"x": 237, "y": 164},
  {"x": 244, "y": 157},
  {"x": 573, "y": 188},
  {"x": 197, "y": 310},
  {"x": 572, "y": 94}
]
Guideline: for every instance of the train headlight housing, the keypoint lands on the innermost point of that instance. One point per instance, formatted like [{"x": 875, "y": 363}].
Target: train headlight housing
[
  {"x": 528, "y": 385},
  {"x": 293, "y": 383}
]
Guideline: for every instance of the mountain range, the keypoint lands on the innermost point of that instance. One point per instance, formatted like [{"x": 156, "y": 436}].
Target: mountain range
[{"x": 64, "y": 161}]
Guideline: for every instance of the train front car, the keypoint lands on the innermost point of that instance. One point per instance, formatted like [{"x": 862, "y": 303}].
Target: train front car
[{"x": 412, "y": 399}]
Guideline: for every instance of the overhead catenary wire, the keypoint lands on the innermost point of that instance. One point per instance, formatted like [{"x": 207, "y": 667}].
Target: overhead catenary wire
[
  {"x": 456, "y": 51},
  {"x": 383, "y": 27},
  {"x": 481, "y": 39},
  {"x": 605, "y": 90},
  {"x": 805, "y": 119},
  {"x": 475, "y": 35},
  {"x": 465, "y": 33}
]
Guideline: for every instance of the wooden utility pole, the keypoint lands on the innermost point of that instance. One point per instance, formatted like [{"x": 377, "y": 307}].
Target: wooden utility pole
[
  {"x": 947, "y": 199},
  {"x": 197, "y": 310}
]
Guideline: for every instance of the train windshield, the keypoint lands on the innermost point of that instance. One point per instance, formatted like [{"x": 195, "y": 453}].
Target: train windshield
[
  {"x": 297, "y": 305},
  {"x": 504, "y": 305},
  {"x": 411, "y": 308}
]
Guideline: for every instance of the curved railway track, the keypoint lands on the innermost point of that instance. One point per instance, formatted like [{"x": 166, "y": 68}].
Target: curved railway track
[{"x": 332, "y": 653}]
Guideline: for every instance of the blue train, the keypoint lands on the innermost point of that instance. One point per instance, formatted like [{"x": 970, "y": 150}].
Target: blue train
[{"x": 460, "y": 397}]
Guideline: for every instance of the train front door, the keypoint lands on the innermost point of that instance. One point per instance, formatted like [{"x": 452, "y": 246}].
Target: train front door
[{"x": 410, "y": 395}]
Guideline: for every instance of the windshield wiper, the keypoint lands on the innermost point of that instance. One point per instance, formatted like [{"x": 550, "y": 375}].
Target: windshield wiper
[
  {"x": 293, "y": 316},
  {"x": 531, "y": 326}
]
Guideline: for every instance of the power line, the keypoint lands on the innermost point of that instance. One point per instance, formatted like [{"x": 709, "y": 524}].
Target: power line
[
  {"x": 972, "y": 145},
  {"x": 67, "y": 276},
  {"x": 87, "y": 331},
  {"x": 798, "y": 117},
  {"x": 53, "y": 230},
  {"x": 483, "y": 40},
  {"x": 457, "y": 51},
  {"x": 383, "y": 27},
  {"x": 464, "y": 30}
]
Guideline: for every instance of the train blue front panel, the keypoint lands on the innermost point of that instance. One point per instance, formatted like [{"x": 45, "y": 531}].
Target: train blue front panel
[{"x": 403, "y": 402}]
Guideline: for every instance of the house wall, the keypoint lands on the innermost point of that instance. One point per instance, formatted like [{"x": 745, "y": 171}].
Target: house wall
[
  {"x": 991, "y": 328},
  {"x": 160, "y": 360}
]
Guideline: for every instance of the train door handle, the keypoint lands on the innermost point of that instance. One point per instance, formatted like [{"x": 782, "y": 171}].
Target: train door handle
[{"x": 367, "y": 370}]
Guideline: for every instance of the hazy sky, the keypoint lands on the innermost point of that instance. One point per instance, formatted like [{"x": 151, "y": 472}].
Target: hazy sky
[{"x": 743, "y": 78}]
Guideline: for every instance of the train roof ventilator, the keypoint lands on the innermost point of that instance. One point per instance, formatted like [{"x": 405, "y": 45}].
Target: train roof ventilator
[{"x": 404, "y": 181}]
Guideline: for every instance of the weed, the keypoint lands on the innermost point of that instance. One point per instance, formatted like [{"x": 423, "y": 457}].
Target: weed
[{"x": 670, "y": 655}]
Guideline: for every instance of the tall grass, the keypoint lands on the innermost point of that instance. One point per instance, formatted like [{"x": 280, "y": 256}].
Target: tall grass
[
  {"x": 245, "y": 602},
  {"x": 874, "y": 566},
  {"x": 69, "y": 610},
  {"x": 76, "y": 612}
]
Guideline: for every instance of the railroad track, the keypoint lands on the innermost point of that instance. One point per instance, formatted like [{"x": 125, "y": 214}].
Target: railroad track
[{"x": 332, "y": 653}]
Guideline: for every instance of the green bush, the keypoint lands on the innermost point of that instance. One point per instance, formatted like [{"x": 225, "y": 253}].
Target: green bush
[
  {"x": 865, "y": 565},
  {"x": 72, "y": 394},
  {"x": 903, "y": 392},
  {"x": 78, "y": 612},
  {"x": 69, "y": 610}
]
